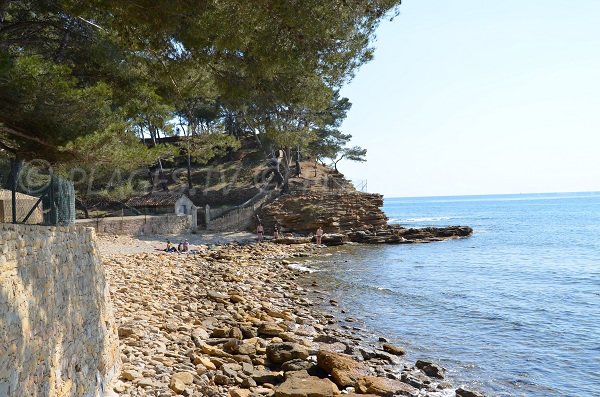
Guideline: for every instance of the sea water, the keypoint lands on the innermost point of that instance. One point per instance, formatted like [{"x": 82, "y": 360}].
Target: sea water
[{"x": 513, "y": 310}]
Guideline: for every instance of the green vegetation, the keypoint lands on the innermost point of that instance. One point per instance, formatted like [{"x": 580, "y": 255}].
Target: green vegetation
[{"x": 98, "y": 83}]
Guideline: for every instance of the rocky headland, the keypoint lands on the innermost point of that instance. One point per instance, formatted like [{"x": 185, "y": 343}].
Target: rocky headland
[
  {"x": 345, "y": 216},
  {"x": 235, "y": 320}
]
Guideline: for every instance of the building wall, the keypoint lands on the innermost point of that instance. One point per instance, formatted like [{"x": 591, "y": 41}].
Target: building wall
[
  {"x": 140, "y": 225},
  {"x": 188, "y": 205},
  {"x": 57, "y": 330}
]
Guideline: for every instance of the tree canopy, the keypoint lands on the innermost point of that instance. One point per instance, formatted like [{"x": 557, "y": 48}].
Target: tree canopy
[{"x": 82, "y": 81}]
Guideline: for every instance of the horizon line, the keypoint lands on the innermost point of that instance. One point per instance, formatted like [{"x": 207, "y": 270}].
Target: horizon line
[{"x": 496, "y": 194}]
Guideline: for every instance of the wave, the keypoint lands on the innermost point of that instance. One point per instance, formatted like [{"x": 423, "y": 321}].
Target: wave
[
  {"x": 297, "y": 266},
  {"x": 418, "y": 220}
]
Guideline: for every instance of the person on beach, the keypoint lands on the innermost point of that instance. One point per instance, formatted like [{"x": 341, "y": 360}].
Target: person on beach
[
  {"x": 275, "y": 232},
  {"x": 260, "y": 231},
  {"x": 186, "y": 246},
  {"x": 319, "y": 235},
  {"x": 170, "y": 247}
]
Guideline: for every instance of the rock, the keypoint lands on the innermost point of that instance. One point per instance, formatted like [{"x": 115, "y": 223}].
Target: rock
[
  {"x": 345, "y": 210},
  {"x": 239, "y": 393},
  {"x": 396, "y": 234},
  {"x": 130, "y": 375},
  {"x": 460, "y": 392},
  {"x": 337, "y": 347},
  {"x": 235, "y": 346},
  {"x": 416, "y": 379},
  {"x": 269, "y": 329},
  {"x": 296, "y": 365},
  {"x": 236, "y": 333},
  {"x": 186, "y": 378},
  {"x": 125, "y": 331},
  {"x": 205, "y": 361},
  {"x": 145, "y": 382},
  {"x": 231, "y": 370},
  {"x": 344, "y": 370},
  {"x": 397, "y": 351},
  {"x": 248, "y": 332},
  {"x": 430, "y": 369},
  {"x": 384, "y": 387},
  {"x": 360, "y": 395},
  {"x": 217, "y": 296},
  {"x": 279, "y": 353},
  {"x": 333, "y": 239},
  {"x": 200, "y": 333},
  {"x": 306, "y": 386},
  {"x": 266, "y": 376},
  {"x": 248, "y": 382},
  {"x": 180, "y": 380},
  {"x": 221, "y": 332},
  {"x": 221, "y": 379}
]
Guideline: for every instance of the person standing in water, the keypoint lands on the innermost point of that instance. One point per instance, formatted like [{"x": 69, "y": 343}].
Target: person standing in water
[{"x": 276, "y": 232}]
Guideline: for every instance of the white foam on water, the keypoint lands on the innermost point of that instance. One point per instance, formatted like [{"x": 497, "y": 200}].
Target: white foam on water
[
  {"x": 427, "y": 219},
  {"x": 297, "y": 266}
]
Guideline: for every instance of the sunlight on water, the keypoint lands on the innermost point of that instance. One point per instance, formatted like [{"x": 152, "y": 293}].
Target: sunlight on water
[{"x": 513, "y": 310}]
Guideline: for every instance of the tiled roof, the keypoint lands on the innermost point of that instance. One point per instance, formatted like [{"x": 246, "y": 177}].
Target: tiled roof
[{"x": 156, "y": 199}]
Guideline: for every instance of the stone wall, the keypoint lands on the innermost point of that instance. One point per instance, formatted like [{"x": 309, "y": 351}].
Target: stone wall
[
  {"x": 57, "y": 330},
  {"x": 140, "y": 225},
  {"x": 238, "y": 219}
]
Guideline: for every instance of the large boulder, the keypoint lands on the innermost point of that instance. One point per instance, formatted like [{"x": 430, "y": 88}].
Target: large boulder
[
  {"x": 344, "y": 370},
  {"x": 270, "y": 329},
  {"x": 395, "y": 350},
  {"x": 460, "y": 392},
  {"x": 332, "y": 239},
  {"x": 384, "y": 387},
  {"x": 301, "y": 384},
  {"x": 279, "y": 353},
  {"x": 430, "y": 369}
]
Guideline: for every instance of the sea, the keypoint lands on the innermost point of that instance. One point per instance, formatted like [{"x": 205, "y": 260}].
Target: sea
[{"x": 513, "y": 310}]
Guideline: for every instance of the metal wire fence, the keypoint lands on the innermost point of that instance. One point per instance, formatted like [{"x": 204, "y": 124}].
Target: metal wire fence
[{"x": 33, "y": 197}]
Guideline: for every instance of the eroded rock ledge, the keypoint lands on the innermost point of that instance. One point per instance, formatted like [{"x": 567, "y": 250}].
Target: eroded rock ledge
[
  {"x": 396, "y": 234},
  {"x": 346, "y": 217},
  {"x": 334, "y": 212}
]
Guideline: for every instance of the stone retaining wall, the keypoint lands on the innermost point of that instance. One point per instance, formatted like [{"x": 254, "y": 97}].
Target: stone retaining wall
[
  {"x": 239, "y": 219},
  {"x": 57, "y": 330},
  {"x": 140, "y": 225}
]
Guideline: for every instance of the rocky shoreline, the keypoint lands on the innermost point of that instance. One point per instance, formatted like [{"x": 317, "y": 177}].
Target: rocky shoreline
[{"x": 235, "y": 320}]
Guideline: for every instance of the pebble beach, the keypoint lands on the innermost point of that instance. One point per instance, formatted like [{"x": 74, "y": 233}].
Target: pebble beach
[{"x": 238, "y": 319}]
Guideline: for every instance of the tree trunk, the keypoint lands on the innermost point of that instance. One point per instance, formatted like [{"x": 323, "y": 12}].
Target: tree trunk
[
  {"x": 83, "y": 208},
  {"x": 163, "y": 183},
  {"x": 298, "y": 168},
  {"x": 286, "y": 169},
  {"x": 189, "y": 172}
]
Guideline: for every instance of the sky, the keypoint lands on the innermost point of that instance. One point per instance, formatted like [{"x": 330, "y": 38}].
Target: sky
[{"x": 480, "y": 97}]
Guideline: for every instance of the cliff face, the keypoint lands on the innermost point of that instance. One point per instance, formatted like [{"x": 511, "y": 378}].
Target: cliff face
[{"x": 304, "y": 212}]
